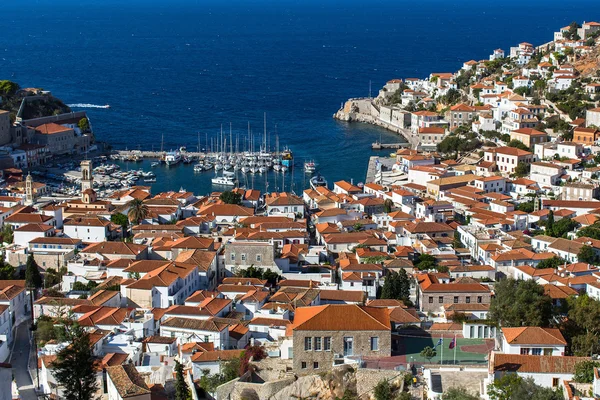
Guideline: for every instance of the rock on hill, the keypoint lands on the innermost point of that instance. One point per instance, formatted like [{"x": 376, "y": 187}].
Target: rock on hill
[
  {"x": 42, "y": 104},
  {"x": 589, "y": 65}
]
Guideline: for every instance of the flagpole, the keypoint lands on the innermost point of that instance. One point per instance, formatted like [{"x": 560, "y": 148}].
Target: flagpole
[
  {"x": 442, "y": 356},
  {"x": 455, "y": 348}
]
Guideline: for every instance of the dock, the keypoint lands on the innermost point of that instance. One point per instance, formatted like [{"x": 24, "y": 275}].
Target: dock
[{"x": 382, "y": 146}]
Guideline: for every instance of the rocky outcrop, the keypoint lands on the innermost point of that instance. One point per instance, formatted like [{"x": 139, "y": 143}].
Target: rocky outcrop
[{"x": 325, "y": 386}]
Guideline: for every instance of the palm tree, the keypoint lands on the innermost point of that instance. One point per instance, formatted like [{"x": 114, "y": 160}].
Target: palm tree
[{"x": 137, "y": 211}]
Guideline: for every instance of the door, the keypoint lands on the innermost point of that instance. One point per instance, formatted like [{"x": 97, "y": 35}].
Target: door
[{"x": 348, "y": 346}]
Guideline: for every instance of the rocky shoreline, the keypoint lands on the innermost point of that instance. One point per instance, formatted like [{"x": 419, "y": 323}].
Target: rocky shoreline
[{"x": 365, "y": 111}]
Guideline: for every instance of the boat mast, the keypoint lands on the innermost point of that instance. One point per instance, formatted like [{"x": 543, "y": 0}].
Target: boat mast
[
  {"x": 162, "y": 143},
  {"x": 230, "y": 140},
  {"x": 265, "y": 133}
]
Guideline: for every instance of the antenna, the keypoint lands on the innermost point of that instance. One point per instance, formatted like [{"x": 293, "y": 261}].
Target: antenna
[{"x": 265, "y": 132}]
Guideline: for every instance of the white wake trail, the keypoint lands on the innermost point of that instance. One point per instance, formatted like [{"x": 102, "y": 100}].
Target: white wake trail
[{"x": 86, "y": 105}]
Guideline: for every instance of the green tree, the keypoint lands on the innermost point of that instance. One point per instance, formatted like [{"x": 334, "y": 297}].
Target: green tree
[
  {"x": 396, "y": 286},
  {"x": 120, "y": 219},
  {"x": 456, "y": 243},
  {"x": 591, "y": 231},
  {"x": 387, "y": 205},
  {"x": 513, "y": 387},
  {"x": 550, "y": 223},
  {"x": 357, "y": 227},
  {"x": 522, "y": 169},
  {"x": 383, "y": 391},
  {"x": 8, "y": 88},
  {"x": 182, "y": 391},
  {"x": 517, "y": 144},
  {"x": 587, "y": 255},
  {"x": 458, "y": 393},
  {"x": 138, "y": 211},
  {"x": 520, "y": 303},
  {"x": 553, "y": 262},
  {"x": 229, "y": 197},
  {"x": 33, "y": 278},
  {"x": 561, "y": 228},
  {"x": 571, "y": 33},
  {"x": 428, "y": 353},
  {"x": 7, "y": 271},
  {"x": 84, "y": 125},
  {"x": 526, "y": 207},
  {"x": 7, "y": 233},
  {"x": 74, "y": 368},
  {"x": 584, "y": 371},
  {"x": 581, "y": 329},
  {"x": 425, "y": 262}
]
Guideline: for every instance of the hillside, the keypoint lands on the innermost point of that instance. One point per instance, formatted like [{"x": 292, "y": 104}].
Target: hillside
[{"x": 11, "y": 97}]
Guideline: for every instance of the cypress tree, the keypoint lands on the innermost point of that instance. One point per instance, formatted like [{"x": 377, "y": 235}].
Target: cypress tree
[
  {"x": 32, "y": 273},
  {"x": 182, "y": 392},
  {"x": 74, "y": 366}
]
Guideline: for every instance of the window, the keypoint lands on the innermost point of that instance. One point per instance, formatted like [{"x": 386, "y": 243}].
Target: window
[
  {"x": 430, "y": 300},
  {"x": 318, "y": 344},
  {"x": 243, "y": 257},
  {"x": 441, "y": 299},
  {"x": 547, "y": 352},
  {"x": 468, "y": 299},
  {"x": 303, "y": 365},
  {"x": 258, "y": 258},
  {"x": 479, "y": 299},
  {"x": 536, "y": 351},
  {"x": 315, "y": 365},
  {"x": 455, "y": 299},
  {"x": 232, "y": 256},
  {"x": 524, "y": 352},
  {"x": 374, "y": 343},
  {"x": 327, "y": 343},
  {"x": 307, "y": 343},
  {"x": 206, "y": 338},
  {"x": 555, "y": 382}
]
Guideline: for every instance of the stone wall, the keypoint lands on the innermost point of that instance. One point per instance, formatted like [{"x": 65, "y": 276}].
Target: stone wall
[
  {"x": 361, "y": 348},
  {"x": 448, "y": 298}
]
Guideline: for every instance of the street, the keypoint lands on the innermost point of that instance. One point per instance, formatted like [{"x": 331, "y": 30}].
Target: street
[{"x": 18, "y": 358}]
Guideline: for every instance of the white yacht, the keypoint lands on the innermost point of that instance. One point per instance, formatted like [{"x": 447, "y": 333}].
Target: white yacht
[
  {"x": 227, "y": 179},
  {"x": 172, "y": 158},
  {"x": 317, "y": 181},
  {"x": 309, "y": 167}
]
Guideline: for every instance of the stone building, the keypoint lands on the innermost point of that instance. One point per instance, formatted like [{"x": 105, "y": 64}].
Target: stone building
[
  {"x": 432, "y": 295},
  {"x": 244, "y": 254},
  {"x": 5, "y": 136},
  {"x": 324, "y": 335}
]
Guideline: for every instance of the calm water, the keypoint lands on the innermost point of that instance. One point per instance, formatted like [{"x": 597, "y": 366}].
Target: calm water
[{"x": 181, "y": 68}]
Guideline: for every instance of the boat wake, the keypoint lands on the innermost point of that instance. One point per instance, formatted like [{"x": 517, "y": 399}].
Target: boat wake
[{"x": 86, "y": 105}]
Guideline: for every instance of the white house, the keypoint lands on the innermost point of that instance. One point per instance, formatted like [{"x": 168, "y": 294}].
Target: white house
[
  {"x": 546, "y": 371},
  {"x": 196, "y": 330},
  {"x": 529, "y": 340}
]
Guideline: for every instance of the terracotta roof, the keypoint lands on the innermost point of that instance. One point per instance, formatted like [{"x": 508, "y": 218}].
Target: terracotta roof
[
  {"x": 218, "y": 355},
  {"x": 194, "y": 324},
  {"x": 351, "y": 296},
  {"x": 534, "y": 364},
  {"x": 127, "y": 380},
  {"x": 123, "y": 248},
  {"x": 348, "y": 187},
  {"x": 401, "y": 315},
  {"x": 530, "y": 335},
  {"x": 559, "y": 291},
  {"x": 200, "y": 295},
  {"x": 52, "y": 128},
  {"x": 345, "y": 317}
]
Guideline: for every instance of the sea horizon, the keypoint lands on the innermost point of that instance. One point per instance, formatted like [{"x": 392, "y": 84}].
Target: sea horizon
[{"x": 185, "y": 68}]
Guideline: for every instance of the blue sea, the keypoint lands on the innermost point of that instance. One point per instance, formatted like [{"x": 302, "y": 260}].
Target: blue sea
[{"x": 183, "y": 68}]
